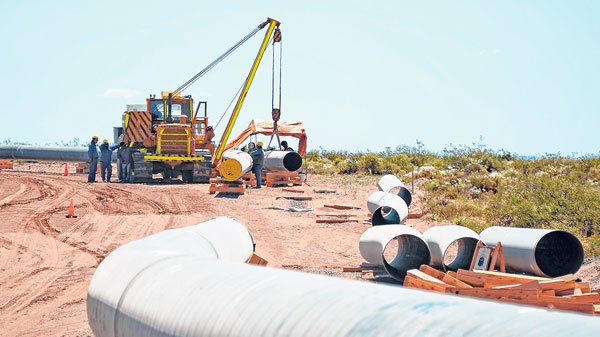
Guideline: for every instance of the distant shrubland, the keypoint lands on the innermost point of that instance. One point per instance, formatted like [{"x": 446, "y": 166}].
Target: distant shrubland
[{"x": 478, "y": 187}]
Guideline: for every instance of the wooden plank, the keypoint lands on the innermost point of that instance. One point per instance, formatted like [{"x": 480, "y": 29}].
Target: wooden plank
[
  {"x": 453, "y": 274},
  {"x": 414, "y": 282},
  {"x": 291, "y": 190},
  {"x": 569, "y": 292},
  {"x": 256, "y": 259},
  {"x": 336, "y": 215},
  {"x": 511, "y": 276},
  {"x": 581, "y": 307},
  {"x": 443, "y": 276},
  {"x": 556, "y": 285},
  {"x": 549, "y": 292},
  {"x": 523, "y": 294},
  {"x": 335, "y": 220},
  {"x": 342, "y": 207},
  {"x": 419, "y": 274},
  {"x": 584, "y": 286},
  {"x": 583, "y": 298},
  {"x": 295, "y": 197}
]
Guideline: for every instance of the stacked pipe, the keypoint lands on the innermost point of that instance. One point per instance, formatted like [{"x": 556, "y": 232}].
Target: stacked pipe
[
  {"x": 541, "y": 252},
  {"x": 190, "y": 282},
  {"x": 237, "y": 163}
]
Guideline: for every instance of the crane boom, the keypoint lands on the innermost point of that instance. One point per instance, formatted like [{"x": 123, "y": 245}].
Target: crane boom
[{"x": 218, "y": 157}]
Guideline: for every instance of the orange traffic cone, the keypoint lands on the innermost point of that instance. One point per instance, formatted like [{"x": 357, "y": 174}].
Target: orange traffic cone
[
  {"x": 66, "y": 169},
  {"x": 71, "y": 213}
]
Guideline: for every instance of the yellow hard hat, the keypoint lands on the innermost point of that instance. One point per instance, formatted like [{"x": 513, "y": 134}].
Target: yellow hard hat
[
  {"x": 95, "y": 137},
  {"x": 259, "y": 143},
  {"x": 105, "y": 141}
]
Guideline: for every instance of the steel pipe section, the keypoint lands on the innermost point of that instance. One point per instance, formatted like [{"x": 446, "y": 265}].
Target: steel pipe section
[
  {"x": 543, "y": 252},
  {"x": 412, "y": 248},
  {"x": 130, "y": 268},
  {"x": 374, "y": 199},
  {"x": 462, "y": 242},
  {"x": 390, "y": 182},
  {"x": 282, "y": 161},
  {"x": 70, "y": 154},
  {"x": 235, "y": 164},
  {"x": 391, "y": 210}
]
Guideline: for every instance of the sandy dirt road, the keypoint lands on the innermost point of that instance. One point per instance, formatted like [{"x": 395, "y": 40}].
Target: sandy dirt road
[{"x": 47, "y": 261}]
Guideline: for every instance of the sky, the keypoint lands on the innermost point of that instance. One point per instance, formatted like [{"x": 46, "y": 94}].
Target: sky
[{"x": 523, "y": 76}]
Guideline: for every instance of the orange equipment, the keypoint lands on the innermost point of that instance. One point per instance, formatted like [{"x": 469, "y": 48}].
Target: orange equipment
[
  {"x": 292, "y": 129},
  {"x": 66, "y": 169}
]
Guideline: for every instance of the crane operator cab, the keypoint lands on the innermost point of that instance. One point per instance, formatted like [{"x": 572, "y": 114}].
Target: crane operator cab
[{"x": 158, "y": 107}]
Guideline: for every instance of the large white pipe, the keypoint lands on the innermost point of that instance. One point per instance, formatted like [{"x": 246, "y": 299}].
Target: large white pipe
[
  {"x": 71, "y": 154},
  {"x": 412, "y": 249},
  {"x": 440, "y": 238},
  {"x": 543, "y": 252},
  {"x": 282, "y": 161},
  {"x": 195, "y": 296},
  {"x": 141, "y": 262},
  {"x": 391, "y": 210},
  {"x": 390, "y": 182},
  {"x": 374, "y": 199},
  {"x": 235, "y": 164}
]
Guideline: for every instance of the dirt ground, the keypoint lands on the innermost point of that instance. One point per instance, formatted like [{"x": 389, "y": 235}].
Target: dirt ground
[{"x": 47, "y": 260}]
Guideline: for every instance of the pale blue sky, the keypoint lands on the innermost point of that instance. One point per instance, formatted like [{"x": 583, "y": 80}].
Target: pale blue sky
[{"x": 361, "y": 75}]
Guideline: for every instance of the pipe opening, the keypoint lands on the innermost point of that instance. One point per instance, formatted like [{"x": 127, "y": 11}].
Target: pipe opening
[
  {"x": 459, "y": 254},
  {"x": 559, "y": 253},
  {"x": 411, "y": 252},
  {"x": 403, "y": 193},
  {"x": 385, "y": 215},
  {"x": 292, "y": 161}
]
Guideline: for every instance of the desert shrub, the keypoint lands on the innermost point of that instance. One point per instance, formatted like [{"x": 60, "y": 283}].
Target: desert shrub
[{"x": 370, "y": 163}]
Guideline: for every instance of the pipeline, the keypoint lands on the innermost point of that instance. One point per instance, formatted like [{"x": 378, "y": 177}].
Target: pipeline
[
  {"x": 70, "y": 154},
  {"x": 235, "y": 164},
  {"x": 282, "y": 161},
  {"x": 412, "y": 248},
  {"x": 543, "y": 252},
  {"x": 391, "y": 209},
  {"x": 390, "y": 182},
  {"x": 462, "y": 240},
  {"x": 189, "y": 292},
  {"x": 113, "y": 308}
]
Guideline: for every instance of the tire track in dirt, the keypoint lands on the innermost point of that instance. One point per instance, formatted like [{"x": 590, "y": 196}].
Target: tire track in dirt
[{"x": 22, "y": 189}]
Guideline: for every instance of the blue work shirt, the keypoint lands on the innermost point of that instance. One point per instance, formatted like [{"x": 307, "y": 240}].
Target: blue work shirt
[
  {"x": 106, "y": 152},
  {"x": 92, "y": 151}
]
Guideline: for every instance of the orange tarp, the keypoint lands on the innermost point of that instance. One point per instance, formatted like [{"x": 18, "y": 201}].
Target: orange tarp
[{"x": 292, "y": 129}]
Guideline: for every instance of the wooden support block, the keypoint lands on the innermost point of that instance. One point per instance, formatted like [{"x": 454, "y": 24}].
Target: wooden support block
[
  {"x": 6, "y": 164},
  {"x": 415, "y": 282},
  {"x": 336, "y": 215},
  {"x": 555, "y": 285},
  {"x": 549, "y": 292},
  {"x": 453, "y": 274},
  {"x": 569, "y": 292},
  {"x": 352, "y": 269},
  {"x": 224, "y": 186},
  {"x": 443, "y": 277},
  {"x": 419, "y": 274},
  {"x": 583, "y": 298},
  {"x": 256, "y": 259},
  {"x": 584, "y": 286}
]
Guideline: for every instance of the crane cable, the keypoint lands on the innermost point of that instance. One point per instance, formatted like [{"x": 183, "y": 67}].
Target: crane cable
[
  {"x": 275, "y": 119},
  {"x": 219, "y": 59}
]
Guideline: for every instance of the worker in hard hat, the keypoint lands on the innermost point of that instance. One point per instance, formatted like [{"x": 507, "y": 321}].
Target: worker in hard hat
[
  {"x": 285, "y": 146},
  {"x": 258, "y": 158},
  {"x": 93, "y": 159},
  {"x": 125, "y": 153},
  {"x": 106, "y": 160}
]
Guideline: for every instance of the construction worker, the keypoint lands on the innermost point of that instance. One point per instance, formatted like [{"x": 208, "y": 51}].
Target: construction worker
[
  {"x": 126, "y": 155},
  {"x": 258, "y": 157},
  {"x": 285, "y": 146},
  {"x": 93, "y": 159},
  {"x": 106, "y": 160}
]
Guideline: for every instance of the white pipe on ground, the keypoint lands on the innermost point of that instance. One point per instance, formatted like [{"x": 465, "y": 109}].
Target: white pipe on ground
[
  {"x": 390, "y": 182},
  {"x": 138, "y": 263},
  {"x": 282, "y": 161},
  {"x": 391, "y": 210},
  {"x": 440, "y": 238},
  {"x": 412, "y": 249}
]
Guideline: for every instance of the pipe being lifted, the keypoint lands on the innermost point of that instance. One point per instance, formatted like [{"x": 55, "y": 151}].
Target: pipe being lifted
[
  {"x": 282, "y": 161},
  {"x": 412, "y": 249},
  {"x": 462, "y": 242},
  {"x": 70, "y": 154},
  {"x": 235, "y": 164},
  {"x": 543, "y": 252},
  {"x": 187, "y": 291},
  {"x": 112, "y": 308},
  {"x": 390, "y": 182}
]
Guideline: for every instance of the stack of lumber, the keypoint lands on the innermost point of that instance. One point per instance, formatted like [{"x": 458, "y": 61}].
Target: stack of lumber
[{"x": 563, "y": 293}]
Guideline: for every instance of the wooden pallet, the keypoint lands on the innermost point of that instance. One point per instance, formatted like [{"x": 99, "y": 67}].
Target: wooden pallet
[
  {"x": 221, "y": 185},
  {"x": 563, "y": 293},
  {"x": 283, "y": 178},
  {"x": 6, "y": 164}
]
